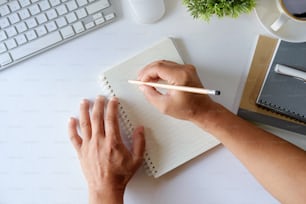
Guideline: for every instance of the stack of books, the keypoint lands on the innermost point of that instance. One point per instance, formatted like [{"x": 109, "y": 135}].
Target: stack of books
[{"x": 271, "y": 98}]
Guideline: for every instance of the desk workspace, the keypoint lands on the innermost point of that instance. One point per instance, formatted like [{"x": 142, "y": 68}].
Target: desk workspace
[{"x": 39, "y": 95}]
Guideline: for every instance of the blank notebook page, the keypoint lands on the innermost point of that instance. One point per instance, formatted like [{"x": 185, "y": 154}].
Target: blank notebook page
[{"x": 169, "y": 142}]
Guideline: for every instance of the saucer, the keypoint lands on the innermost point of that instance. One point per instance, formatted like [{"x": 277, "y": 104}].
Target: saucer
[{"x": 292, "y": 31}]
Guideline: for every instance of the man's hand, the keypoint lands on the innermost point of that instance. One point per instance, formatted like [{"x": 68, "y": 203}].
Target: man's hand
[
  {"x": 107, "y": 164},
  {"x": 178, "y": 104}
]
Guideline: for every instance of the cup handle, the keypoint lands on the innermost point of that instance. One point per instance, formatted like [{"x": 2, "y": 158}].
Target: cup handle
[{"x": 282, "y": 19}]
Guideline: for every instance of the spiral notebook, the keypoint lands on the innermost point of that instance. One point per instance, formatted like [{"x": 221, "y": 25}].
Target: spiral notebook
[
  {"x": 285, "y": 94},
  {"x": 169, "y": 142}
]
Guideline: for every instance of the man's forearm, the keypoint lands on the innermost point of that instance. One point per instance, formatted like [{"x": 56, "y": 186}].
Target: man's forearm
[{"x": 276, "y": 163}]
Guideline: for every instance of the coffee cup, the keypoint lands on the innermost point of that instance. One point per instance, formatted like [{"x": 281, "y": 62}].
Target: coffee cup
[{"x": 290, "y": 10}]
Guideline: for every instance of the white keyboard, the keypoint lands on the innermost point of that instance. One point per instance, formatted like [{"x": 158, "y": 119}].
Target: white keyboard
[{"x": 29, "y": 27}]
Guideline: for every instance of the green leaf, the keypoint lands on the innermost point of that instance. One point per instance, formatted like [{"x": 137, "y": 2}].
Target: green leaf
[{"x": 205, "y": 9}]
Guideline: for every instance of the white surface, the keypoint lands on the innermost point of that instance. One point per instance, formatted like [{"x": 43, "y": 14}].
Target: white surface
[
  {"x": 38, "y": 163},
  {"x": 147, "y": 12},
  {"x": 292, "y": 30}
]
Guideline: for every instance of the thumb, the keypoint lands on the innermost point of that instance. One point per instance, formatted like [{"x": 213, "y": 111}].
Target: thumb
[{"x": 138, "y": 144}]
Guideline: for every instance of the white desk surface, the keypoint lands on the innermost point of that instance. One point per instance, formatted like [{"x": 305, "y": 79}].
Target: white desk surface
[{"x": 38, "y": 163}]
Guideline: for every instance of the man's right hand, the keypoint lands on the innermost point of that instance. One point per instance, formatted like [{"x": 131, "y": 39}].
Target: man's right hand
[{"x": 178, "y": 104}]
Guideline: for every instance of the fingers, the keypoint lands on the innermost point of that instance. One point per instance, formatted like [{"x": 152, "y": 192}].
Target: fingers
[
  {"x": 165, "y": 70},
  {"x": 111, "y": 120},
  {"x": 75, "y": 138},
  {"x": 97, "y": 117},
  {"x": 85, "y": 123},
  {"x": 138, "y": 144},
  {"x": 154, "y": 97}
]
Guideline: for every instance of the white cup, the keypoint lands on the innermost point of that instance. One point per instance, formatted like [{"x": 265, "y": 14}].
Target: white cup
[
  {"x": 147, "y": 11},
  {"x": 290, "y": 10}
]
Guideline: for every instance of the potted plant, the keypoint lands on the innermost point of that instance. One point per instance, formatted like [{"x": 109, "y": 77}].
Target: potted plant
[{"x": 205, "y": 9}]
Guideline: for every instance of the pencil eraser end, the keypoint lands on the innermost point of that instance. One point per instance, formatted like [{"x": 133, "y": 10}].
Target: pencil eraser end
[{"x": 217, "y": 93}]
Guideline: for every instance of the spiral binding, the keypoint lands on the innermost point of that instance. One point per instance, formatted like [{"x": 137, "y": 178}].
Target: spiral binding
[
  {"x": 282, "y": 110},
  {"x": 126, "y": 124}
]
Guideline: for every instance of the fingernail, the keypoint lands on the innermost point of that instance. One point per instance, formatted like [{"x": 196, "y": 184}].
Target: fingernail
[
  {"x": 99, "y": 97},
  {"x": 71, "y": 119},
  {"x": 114, "y": 99},
  {"x": 141, "y": 129},
  {"x": 84, "y": 101}
]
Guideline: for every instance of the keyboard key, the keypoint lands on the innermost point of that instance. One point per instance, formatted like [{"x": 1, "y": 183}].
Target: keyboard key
[
  {"x": 89, "y": 25},
  {"x": 61, "y": 22},
  {"x": 67, "y": 32},
  {"x": 24, "y": 14},
  {"x": 4, "y": 23},
  {"x": 31, "y": 35},
  {"x": 31, "y": 23},
  {"x": 41, "y": 18},
  {"x": 81, "y": 13},
  {"x": 54, "y": 2},
  {"x": 11, "y": 31},
  {"x": 51, "y": 14},
  {"x": 20, "y": 39},
  {"x": 21, "y": 27},
  {"x": 78, "y": 27},
  {"x": 2, "y": 35},
  {"x": 44, "y": 5},
  {"x": 82, "y": 2},
  {"x": 51, "y": 26},
  {"x": 97, "y": 16},
  {"x": 34, "y": 9},
  {"x": 14, "y": 6},
  {"x": 99, "y": 21},
  {"x": 4, "y": 10},
  {"x": 72, "y": 6},
  {"x": 109, "y": 16},
  {"x": 61, "y": 10},
  {"x": 41, "y": 30},
  {"x": 71, "y": 17},
  {"x": 10, "y": 44},
  {"x": 14, "y": 18},
  {"x": 3, "y": 1},
  {"x": 97, "y": 6},
  {"x": 36, "y": 45},
  {"x": 2, "y": 48},
  {"x": 5, "y": 59},
  {"x": 24, "y": 3}
]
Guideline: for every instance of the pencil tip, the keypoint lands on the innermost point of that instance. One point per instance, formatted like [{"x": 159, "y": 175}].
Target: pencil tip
[{"x": 217, "y": 93}]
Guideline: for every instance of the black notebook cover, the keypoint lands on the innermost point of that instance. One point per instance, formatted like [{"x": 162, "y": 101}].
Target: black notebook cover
[{"x": 285, "y": 94}]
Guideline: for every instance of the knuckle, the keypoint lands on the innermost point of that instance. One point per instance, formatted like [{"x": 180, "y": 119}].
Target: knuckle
[
  {"x": 187, "y": 74},
  {"x": 184, "y": 76},
  {"x": 95, "y": 116},
  {"x": 85, "y": 124},
  {"x": 190, "y": 67},
  {"x": 109, "y": 119},
  {"x": 112, "y": 148},
  {"x": 158, "y": 64}
]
